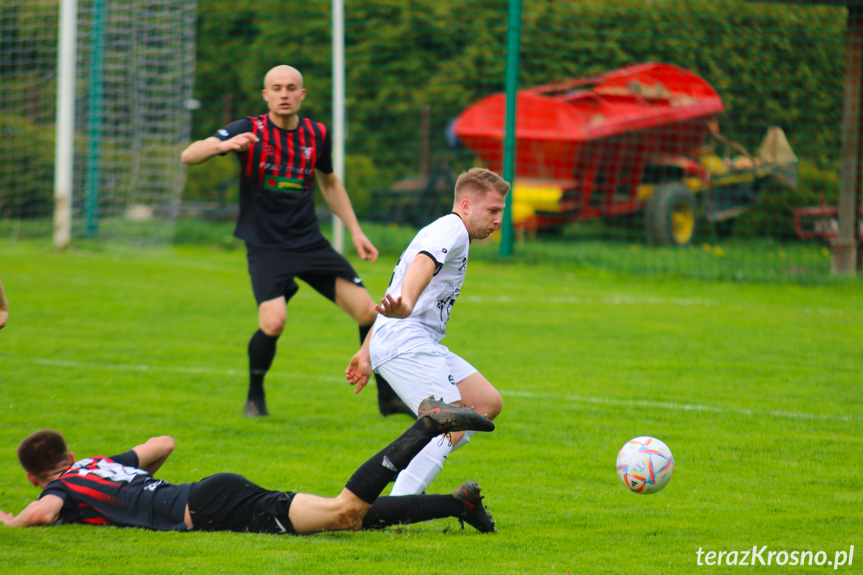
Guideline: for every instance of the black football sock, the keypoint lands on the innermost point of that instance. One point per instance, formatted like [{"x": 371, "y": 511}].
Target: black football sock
[
  {"x": 262, "y": 350},
  {"x": 407, "y": 509},
  {"x": 372, "y": 477},
  {"x": 385, "y": 392}
]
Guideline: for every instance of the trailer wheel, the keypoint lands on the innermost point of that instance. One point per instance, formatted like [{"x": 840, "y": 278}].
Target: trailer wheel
[{"x": 670, "y": 215}]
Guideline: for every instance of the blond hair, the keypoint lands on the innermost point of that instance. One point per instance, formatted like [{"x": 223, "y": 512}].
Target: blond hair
[{"x": 479, "y": 181}]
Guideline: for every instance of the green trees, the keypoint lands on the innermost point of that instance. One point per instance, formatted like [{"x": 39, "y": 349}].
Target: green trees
[{"x": 413, "y": 66}]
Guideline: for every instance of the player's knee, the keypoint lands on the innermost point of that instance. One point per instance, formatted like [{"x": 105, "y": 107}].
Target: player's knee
[
  {"x": 493, "y": 404},
  {"x": 272, "y": 325},
  {"x": 348, "y": 517},
  {"x": 368, "y": 318},
  {"x": 365, "y": 315}
]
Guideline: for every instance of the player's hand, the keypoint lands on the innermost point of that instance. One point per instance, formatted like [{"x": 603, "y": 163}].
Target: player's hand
[
  {"x": 239, "y": 143},
  {"x": 394, "y": 307},
  {"x": 4, "y": 317},
  {"x": 6, "y": 517},
  {"x": 359, "y": 371},
  {"x": 365, "y": 249}
]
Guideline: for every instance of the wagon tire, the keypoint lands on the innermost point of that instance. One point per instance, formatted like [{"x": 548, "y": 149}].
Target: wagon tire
[{"x": 670, "y": 215}]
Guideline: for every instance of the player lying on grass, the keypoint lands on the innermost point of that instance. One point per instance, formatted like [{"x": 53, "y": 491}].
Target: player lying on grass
[{"x": 122, "y": 491}]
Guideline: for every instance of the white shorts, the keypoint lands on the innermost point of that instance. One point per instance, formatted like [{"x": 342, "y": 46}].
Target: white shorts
[{"x": 429, "y": 370}]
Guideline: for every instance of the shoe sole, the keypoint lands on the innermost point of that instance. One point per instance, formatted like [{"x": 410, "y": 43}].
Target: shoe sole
[{"x": 453, "y": 417}]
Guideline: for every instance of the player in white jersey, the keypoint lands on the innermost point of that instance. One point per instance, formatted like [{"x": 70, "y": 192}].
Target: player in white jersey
[{"x": 404, "y": 344}]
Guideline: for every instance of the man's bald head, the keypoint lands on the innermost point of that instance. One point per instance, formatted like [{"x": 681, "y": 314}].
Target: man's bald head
[
  {"x": 283, "y": 72},
  {"x": 284, "y": 94}
]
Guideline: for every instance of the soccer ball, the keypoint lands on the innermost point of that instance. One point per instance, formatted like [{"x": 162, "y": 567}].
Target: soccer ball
[{"x": 645, "y": 464}]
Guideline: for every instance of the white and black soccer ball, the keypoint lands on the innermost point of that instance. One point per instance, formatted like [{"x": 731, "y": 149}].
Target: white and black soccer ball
[{"x": 645, "y": 464}]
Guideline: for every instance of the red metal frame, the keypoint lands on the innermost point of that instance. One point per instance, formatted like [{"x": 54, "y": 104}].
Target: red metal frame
[{"x": 820, "y": 222}]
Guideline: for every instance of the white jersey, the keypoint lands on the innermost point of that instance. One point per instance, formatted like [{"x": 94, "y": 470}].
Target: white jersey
[{"x": 447, "y": 242}]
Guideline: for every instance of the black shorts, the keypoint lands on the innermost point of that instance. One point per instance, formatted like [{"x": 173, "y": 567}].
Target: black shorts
[
  {"x": 273, "y": 271},
  {"x": 230, "y": 502}
]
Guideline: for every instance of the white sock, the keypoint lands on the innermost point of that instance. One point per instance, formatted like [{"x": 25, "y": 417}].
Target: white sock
[
  {"x": 417, "y": 476},
  {"x": 464, "y": 439}
]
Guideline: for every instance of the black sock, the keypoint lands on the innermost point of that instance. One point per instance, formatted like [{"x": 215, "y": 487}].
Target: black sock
[
  {"x": 262, "y": 350},
  {"x": 372, "y": 477},
  {"x": 385, "y": 392},
  {"x": 407, "y": 509}
]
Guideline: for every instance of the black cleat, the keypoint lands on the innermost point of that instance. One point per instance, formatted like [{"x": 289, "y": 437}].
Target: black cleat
[
  {"x": 474, "y": 513},
  {"x": 256, "y": 408},
  {"x": 392, "y": 406},
  {"x": 452, "y": 417}
]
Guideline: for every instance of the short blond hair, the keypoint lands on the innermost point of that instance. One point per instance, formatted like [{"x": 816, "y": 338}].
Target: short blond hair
[{"x": 478, "y": 181}]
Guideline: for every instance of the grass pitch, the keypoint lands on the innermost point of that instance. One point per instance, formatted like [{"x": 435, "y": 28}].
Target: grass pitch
[{"x": 755, "y": 388}]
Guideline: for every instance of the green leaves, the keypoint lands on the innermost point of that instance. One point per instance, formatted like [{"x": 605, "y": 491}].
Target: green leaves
[{"x": 771, "y": 65}]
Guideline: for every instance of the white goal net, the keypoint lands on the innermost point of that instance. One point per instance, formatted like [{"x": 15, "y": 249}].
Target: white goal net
[{"x": 133, "y": 88}]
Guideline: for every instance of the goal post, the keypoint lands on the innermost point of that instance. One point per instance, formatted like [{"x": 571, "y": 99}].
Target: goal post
[
  {"x": 95, "y": 107},
  {"x": 65, "y": 133}
]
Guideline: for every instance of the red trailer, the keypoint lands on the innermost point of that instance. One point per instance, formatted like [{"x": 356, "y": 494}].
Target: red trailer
[{"x": 625, "y": 142}]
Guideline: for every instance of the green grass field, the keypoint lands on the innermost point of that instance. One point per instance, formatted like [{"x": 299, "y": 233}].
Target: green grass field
[{"x": 756, "y": 389}]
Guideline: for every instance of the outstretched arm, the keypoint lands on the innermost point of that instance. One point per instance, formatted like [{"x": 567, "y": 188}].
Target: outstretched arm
[
  {"x": 417, "y": 278},
  {"x": 339, "y": 202},
  {"x": 202, "y": 150},
  {"x": 44, "y": 511},
  {"x": 153, "y": 453}
]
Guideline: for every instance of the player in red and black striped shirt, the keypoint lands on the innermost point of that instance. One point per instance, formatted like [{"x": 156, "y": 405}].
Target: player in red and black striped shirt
[
  {"x": 121, "y": 490},
  {"x": 281, "y": 156}
]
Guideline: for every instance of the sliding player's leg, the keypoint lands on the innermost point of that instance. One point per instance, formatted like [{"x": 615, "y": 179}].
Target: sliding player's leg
[{"x": 309, "y": 514}]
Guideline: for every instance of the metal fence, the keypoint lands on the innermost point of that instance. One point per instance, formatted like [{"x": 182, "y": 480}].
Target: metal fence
[
  {"x": 704, "y": 138},
  {"x": 701, "y": 138}
]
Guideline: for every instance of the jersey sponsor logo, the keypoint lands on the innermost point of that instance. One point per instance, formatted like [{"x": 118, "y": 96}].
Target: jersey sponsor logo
[
  {"x": 289, "y": 169},
  {"x": 444, "y": 305},
  {"x": 283, "y": 184},
  {"x": 153, "y": 485},
  {"x": 106, "y": 469}
]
